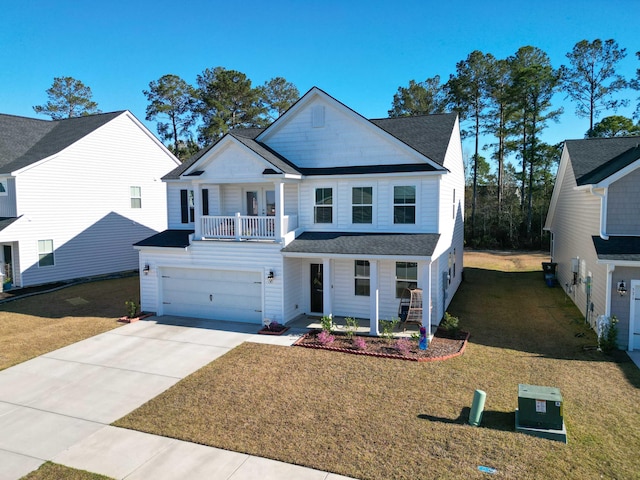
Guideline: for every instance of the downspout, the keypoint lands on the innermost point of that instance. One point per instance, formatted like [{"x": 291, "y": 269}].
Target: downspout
[{"x": 603, "y": 210}]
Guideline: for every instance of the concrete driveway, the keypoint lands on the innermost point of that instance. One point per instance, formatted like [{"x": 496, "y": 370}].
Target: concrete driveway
[{"x": 59, "y": 406}]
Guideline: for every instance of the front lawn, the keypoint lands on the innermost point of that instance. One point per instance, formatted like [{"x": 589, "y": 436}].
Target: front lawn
[
  {"x": 54, "y": 471},
  {"x": 39, "y": 324},
  {"x": 375, "y": 418}
]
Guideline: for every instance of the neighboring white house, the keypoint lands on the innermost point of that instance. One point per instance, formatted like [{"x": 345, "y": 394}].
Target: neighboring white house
[
  {"x": 595, "y": 225},
  {"x": 75, "y": 194},
  {"x": 323, "y": 212}
]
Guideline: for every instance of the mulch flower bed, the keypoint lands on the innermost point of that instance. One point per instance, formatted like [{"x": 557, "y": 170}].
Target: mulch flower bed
[
  {"x": 442, "y": 346},
  {"x": 273, "y": 329}
]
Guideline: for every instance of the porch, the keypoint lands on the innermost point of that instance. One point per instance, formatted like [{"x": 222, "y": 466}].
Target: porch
[{"x": 312, "y": 322}]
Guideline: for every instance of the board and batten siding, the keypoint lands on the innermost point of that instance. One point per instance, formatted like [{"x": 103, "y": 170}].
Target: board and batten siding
[
  {"x": 343, "y": 139},
  {"x": 216, "y": 255},
  {"x": 81, "y": 199},
  {"x": 576, "y": 220},
  {"x": 623, "y": 199}
]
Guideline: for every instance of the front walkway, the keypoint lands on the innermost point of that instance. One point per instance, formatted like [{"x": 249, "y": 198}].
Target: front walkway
[{"x": 59, "y": 406}]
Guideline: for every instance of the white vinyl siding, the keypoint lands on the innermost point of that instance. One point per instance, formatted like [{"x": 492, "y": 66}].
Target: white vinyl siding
[{"x": 87, "y": 213}]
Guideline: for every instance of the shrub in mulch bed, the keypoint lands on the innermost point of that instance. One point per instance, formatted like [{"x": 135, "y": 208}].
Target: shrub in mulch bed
[
  {"x": 442, "y": 346},
  {"x": 274, "y": 328}
]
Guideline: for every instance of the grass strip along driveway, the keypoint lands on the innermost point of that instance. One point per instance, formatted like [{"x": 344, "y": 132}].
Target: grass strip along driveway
[
  {"x": 375, "y": 418},
  {"x": 42, "y": 323}
]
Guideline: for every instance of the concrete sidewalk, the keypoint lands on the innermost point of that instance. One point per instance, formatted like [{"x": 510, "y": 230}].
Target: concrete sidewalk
[{"x": 59, "y": 406}]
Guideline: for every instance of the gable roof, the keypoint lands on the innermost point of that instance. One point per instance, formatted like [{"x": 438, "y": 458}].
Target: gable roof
[
  {"x": 24, "y": 141},
  {"x": 594, "y": 159},
  {"x": 429, "y": 135}
]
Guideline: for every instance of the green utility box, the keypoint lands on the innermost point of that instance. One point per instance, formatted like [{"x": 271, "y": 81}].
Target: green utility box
[{"x": 540, "y": 407}]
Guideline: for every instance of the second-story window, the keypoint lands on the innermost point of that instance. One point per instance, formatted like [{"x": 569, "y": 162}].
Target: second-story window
[
  {"x": 404, "y": 204},
  {"x": 187, "y": 206},
  {"x": 362, "y": 205},
  {"x": 323, "y": 209},
  {"x": 136, "y": 197}
]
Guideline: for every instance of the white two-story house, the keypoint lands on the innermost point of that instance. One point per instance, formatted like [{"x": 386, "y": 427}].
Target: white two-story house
[
  {"x": 323, "y": 212},
  {"x": 75, "y": 194},
  {"x": 595, "y": 225}
]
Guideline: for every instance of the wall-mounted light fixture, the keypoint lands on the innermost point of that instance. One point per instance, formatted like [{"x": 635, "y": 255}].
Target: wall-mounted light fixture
[
  {"x": 622, "y": 288},
  {"x": 270, "y": 276},
  {"x": 146, "y": 269}
]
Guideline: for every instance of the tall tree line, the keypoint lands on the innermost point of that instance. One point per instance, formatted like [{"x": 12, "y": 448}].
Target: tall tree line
[{"x": 510, "y": 100}]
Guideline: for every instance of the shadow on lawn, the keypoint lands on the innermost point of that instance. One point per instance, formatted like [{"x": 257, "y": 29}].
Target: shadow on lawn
[
  {"x": 518, "y": 311},
  {"x": 503, "y": 421}
]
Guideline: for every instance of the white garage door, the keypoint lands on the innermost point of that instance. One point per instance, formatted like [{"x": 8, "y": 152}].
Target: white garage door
[{"x": 213, "y": 294}]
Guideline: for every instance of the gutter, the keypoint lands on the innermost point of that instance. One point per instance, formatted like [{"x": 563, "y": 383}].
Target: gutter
[{"x": 603, "y": 210}]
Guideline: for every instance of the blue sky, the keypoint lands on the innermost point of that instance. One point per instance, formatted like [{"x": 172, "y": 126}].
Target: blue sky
[{"x": 360, "y": 52}]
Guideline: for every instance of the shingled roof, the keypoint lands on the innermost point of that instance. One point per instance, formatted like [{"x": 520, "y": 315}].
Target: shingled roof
[
  {"x": 594, "y": 159},
  {"x": 618, "y": 248},
  {"x": 24, "y": 141},
  {"x": 427, "y": 134},
  {"x": 350, "y": 243}
]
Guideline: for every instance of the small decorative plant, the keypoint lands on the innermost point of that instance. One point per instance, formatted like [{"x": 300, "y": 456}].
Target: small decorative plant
[
  {"x": 327, "y": 323},
  {"x": 403, "y": 346},
  {"x": 132, "y": 308},
  {"x": 274, "y": 326},
  {"x": 388, "y": 326},
  {"x": 608, "y": 338},
  {"x": 325, "y": 338},
  {"x": 351, "y": 327},
  {"x": 360, "y": 343},
  {"x": 450, "y": 324}
]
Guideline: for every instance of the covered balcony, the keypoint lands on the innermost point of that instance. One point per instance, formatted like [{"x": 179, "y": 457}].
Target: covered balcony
[{"x": 246, "y": 227}]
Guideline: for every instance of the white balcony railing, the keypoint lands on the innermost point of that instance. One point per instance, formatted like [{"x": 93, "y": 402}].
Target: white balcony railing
[{"x": 243, "y": 227}]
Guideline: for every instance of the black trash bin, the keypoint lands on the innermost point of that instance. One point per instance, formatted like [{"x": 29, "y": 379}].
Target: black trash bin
[{"x": 549, "y": 271}]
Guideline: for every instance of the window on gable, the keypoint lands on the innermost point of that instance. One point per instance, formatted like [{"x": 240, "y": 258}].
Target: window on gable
[
  {"x": 406, "y": 276},
  {"x": 136, "y": 197},
  {"x": 187, "y": 206},
  {"x": 362, "y": 205},
  {"x": 362, "y": 278},
  {"x": 45, "y": 253},
  {"x": 404, "y": 204},
  {"x": 323, "y": 209}
]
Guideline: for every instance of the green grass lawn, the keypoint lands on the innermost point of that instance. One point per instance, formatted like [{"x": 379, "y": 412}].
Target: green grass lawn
[{"x": 375, "y": 418}]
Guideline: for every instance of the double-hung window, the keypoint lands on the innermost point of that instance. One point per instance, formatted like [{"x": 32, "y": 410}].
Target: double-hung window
[
  {"x": 323, "y": 208},
  {"x": 362, "y": 278},
  {"x": 406, "y": 276},
  {"x": 136, "y": 197},
  {"x": 404, "y": 204},
  {"x": 362, "y": 205},
  {"x": 45, "y": 253}
]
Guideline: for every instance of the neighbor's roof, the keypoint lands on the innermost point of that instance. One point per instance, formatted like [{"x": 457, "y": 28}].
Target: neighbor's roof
[
  {"x": 594, "y": 159},
  {"x": 24, "y": 141},
  {"x": 626, "y": 249},
  {"x": 429, "y": 135},
  {"x": 168, "y": 238},
  {"x": 347, "y": 243}
]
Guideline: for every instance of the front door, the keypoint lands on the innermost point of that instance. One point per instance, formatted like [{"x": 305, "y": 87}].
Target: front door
[
  {"x": 316, "y": 288},
  {"x": 260, "y": 202}
]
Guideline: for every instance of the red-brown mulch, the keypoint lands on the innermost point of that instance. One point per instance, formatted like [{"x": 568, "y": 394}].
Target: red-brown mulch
[{"x": 441, "y": 347}]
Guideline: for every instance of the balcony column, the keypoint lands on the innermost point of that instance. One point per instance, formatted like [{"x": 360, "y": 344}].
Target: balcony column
[
  {"x": 197, "y": 211},
  {"x": 279, "y": 220}
]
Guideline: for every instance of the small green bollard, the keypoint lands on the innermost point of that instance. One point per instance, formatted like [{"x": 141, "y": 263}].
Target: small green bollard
[{"x": 475, "y": 417}]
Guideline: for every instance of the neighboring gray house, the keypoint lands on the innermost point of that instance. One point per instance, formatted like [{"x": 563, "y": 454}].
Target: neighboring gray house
[
  {"x": 75, "y": 194},
  {"x": 323, "y": 212},
  {"x": 594, "y": 220}
]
